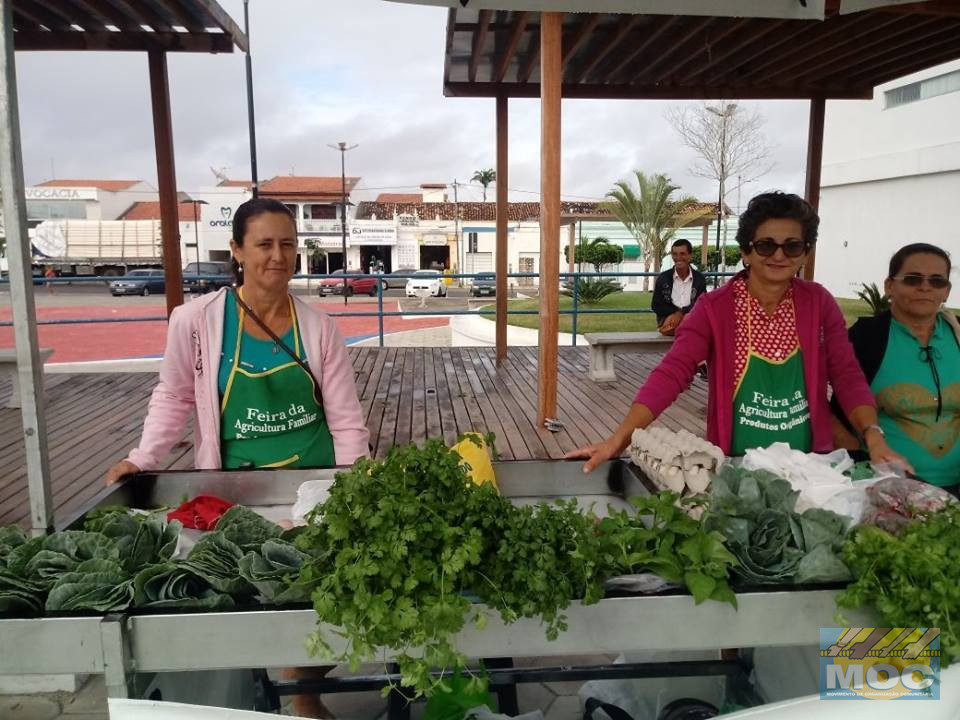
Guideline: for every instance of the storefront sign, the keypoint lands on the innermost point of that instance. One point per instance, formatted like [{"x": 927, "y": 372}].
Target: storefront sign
[
  {"x": 324, "y": 242},
  {"x": 322, "y": 227},
  {"x": 373, "y": 232},
  {"x": 56, "y": 193},
  {"x": 435, "y": 238}
]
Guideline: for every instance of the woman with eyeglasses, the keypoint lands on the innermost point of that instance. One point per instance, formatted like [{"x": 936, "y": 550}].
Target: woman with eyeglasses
[
  {"x": 772, "y": 343},
  {"x": 911, "y": 358}
]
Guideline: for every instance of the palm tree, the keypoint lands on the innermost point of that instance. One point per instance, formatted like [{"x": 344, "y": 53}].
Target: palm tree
[
  {"x": 485, "y": 177},
  {"x": 650, "y": 215}
]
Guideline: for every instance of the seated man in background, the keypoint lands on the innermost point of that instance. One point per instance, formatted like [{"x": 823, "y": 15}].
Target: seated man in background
[{"x": 676, "y": 290}]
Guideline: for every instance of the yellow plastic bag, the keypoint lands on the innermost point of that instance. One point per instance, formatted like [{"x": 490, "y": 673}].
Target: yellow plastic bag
[{"x": 475, "y": 452}]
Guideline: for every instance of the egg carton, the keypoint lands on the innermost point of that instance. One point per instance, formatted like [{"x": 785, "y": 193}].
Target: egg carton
[{"x": 677, "y": 461}]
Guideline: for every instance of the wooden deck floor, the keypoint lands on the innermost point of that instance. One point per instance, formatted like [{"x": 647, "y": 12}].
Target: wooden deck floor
[{"x": 407, "y": 394}]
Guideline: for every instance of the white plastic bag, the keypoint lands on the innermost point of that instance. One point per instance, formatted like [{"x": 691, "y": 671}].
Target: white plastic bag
[
  {"x": 817, "y": 477},
  {"x": 309, "y": 495}
]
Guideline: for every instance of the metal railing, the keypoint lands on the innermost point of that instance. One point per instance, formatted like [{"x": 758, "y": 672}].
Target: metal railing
[{"x": 565, "y": 277}]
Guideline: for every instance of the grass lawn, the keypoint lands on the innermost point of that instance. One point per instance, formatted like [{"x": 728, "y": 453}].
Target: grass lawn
[{"x": 640, "y": 319}]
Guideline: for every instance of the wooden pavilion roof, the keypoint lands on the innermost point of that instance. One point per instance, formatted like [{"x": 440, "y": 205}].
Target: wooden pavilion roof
[
  {"x": 606, "y": 55},
  {"x": 145, "y": 25}
]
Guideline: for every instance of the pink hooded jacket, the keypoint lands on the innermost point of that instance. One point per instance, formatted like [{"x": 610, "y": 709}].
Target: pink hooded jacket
[
  {"x": 709, "y": 333},
  {"x": 188, "y": 384}
]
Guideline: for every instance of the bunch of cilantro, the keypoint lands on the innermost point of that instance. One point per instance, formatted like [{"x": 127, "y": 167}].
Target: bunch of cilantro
[
  {"x": 912, "y": 579},
  {"x": 408, "y": 542}
]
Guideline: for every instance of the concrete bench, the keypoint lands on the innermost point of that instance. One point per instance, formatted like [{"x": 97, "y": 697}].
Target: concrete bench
[
  {"x": 8, "y": 366},
  {"x": 603, "y": 346}
]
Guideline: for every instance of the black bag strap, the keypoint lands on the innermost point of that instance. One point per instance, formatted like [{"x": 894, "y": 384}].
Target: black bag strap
[
  {"x": 592, "y": 704},
  {"x": 317, "y": 395}
]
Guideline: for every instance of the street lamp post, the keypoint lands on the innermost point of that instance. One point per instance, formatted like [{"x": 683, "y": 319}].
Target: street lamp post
[
  {"x": 723, "y": 112},
  {"x": 196, "y": 230},
  {"x": 343, "y": 147}
]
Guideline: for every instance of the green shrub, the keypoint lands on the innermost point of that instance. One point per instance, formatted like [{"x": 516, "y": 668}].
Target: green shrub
[{"x": 590, "y": 291}]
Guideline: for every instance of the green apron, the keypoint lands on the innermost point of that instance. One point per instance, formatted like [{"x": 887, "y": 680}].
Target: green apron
[
  {"x": 770, "y": 403},
  {"x": 270, "y": 418}
]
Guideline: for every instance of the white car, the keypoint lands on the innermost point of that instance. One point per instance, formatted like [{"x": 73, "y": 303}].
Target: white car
[{"x": 426, "y": 282}]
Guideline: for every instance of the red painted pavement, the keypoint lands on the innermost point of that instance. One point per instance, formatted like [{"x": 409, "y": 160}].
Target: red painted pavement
[{"x": 113, "y": 341}]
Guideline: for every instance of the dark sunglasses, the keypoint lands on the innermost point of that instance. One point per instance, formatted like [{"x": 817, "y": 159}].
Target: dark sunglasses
[
  {"x": 937, "y": 282},
  {"x": 792, "y": 248}
]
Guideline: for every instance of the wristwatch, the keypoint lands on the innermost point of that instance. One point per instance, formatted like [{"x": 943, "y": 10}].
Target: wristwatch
[{"x": 863, "y": 433}]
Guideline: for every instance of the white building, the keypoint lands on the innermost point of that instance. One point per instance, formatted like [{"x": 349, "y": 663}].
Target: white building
[
  {"x": 70, "y": 199},
  {"x": 891, "y": 176}
]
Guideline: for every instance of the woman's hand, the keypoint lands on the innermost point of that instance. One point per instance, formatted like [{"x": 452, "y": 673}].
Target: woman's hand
[
  {"x": 880, "y": 452},
  {"x": 596, "y": 454},
  {"x": 124, "y": 467}
]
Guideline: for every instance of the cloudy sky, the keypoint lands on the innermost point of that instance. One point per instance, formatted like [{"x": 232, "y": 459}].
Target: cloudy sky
[{"x": 365, "y": 71}]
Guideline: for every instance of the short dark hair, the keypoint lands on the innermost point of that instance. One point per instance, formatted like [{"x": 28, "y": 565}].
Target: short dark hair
[
  {"x": 683, "y": 243},
  {"x": 243, "y": 215},
  {"x": 901, "y": 255},
  {"x": 776, "y": 205}
]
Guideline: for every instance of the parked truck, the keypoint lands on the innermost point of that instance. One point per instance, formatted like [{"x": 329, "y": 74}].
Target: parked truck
[{"x": 96, "y": 247}]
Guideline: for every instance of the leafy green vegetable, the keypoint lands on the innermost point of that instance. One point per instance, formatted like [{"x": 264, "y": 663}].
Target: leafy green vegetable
[
  {"x": 217, "y": 560},
  {"x": 912, "y": 580},
  {"x": 11, "y": 536},
  {"x": 97, "y": 584},
  {"x": 172, "y": 585},
  {"x": 662, "y": 538},
  {"x": 754, "y": 511},
  {"x": 19, "y": 596},
  {"x": 272, "y": 571},
  {"x": 246, "y": 529}
]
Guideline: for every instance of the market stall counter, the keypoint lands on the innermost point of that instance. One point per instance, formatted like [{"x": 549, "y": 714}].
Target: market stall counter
[{"x": 123, "y": 645}]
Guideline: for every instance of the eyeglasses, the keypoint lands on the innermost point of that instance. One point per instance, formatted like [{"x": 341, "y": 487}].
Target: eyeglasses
[
  {"x": 937, "y": 282},
  {"x": 766, "y": 247}
]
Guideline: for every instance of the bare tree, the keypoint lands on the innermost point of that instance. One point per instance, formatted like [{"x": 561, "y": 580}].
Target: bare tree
[{"x": 727, "y": 138}]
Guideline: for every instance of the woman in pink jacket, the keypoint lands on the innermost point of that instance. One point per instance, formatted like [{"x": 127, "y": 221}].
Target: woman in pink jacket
[
  {"x": 266, "y": 377},
  {"x": 772, "y": 343}
]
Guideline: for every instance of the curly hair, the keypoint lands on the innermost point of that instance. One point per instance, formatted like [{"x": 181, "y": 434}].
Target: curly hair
[{"x": 776, "y": 205}]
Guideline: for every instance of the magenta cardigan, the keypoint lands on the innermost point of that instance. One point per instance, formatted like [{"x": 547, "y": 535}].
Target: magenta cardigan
[
  {"x": 708, "y": 334},
  {"x": 188, "y": 385}
]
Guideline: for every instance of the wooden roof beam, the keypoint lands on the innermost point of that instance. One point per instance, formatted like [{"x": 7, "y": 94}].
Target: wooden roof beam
[
  {"x": 621, "y": 34},
  {"x": 581, "y": 35},
  {"x": 809, "y": 32},
  {"x": 920, "y": 56},
  {"x": 223, "y": 20},
  {"x": 108, "y": 14},
  {"x": 732, "y": 27},
  {"x": 533, "y": 56},
  {"x": 642, "y": 46},
  {"x": 900, "y": 29},
  {"x": 707, "y": 91},
  {"x": 183, "y": 14},
  {"x": 516, "y": 32},
  {"x": 752, "y": 35},
  {"x": 697, "y": 27},
  {"x": 479, "y": 39},
  {"x": 42, "y": 15},
  {"x": 123, "y": 41}
]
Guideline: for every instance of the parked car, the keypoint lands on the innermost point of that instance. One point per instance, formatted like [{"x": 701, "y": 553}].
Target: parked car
[
  {"x": 206, "y": 277},
  {"x": 139, "y": 282},
  {"x": 430, "y": 280},
  {"x": 366, "y": 285},
  {"x": 391, "y": 281},
  {"x": 484, "y": 284}
]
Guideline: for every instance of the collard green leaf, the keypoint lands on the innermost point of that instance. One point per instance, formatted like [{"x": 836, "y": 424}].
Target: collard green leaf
[
  {"x": 11, "y": 536},
  {"x": 173, "y": 585},
  {"x": 246, "y": 529},
  {"x": 217, "y": 560}
]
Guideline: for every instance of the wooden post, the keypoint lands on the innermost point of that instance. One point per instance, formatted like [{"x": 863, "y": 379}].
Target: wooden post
[
  {"x": 814, "y": 165},
  {"x": 704, "y": 247},
  {"x": 29, "y": 363},
  {"x": 551, "y": 26},
  {"x": 166, "y": 178},
  {"x": 572, "y": 245},
  {"x": 502, "y": 218}
]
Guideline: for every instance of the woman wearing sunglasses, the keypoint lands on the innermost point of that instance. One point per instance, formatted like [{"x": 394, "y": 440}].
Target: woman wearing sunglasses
[
  {"x": 772, "y": 343},
  {"x": 911, "y": 357}
]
